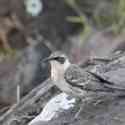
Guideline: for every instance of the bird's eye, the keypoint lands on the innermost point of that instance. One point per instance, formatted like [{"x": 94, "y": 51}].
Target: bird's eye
[{"x": 60, "y": 59}]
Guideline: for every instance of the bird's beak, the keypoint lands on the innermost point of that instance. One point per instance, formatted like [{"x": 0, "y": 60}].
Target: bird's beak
[{"x": 47, "y": 59}]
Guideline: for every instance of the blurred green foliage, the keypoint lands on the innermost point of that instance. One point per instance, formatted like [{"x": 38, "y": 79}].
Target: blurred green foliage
[
  {"x": 118, "y": 25},
  {"x": 105, "y": 14},
  {"x": 10, "y": 52},
  {"x": 81, "y": 19},
  {"x": 95, "y": 14}
]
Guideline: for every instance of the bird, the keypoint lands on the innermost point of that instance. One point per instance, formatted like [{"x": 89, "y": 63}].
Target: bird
[
  {"x": 79, "y": 83},
  {"x": 74, "y": 80}
]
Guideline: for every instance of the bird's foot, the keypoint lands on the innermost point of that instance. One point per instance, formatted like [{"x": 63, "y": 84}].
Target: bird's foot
[{"x": 78, "y": 113}]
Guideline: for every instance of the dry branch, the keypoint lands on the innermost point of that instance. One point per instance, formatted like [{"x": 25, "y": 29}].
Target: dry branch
[{"x": 26, "y": 101}]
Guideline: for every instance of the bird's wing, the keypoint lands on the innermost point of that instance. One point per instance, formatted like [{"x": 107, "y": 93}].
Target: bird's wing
[
  {"x": 76, "y": 77},
  {"x": 74, "y": 74}
]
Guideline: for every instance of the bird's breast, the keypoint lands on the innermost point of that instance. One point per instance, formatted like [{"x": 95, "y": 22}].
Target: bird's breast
[
  {"x": 67, "y": 88},
  {"x": 57, "y": 76}
]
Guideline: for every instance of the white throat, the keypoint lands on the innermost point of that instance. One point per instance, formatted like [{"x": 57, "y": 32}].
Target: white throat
[
  {"x": 58, "y": 70},
  {"x": 66, "y": 64}
]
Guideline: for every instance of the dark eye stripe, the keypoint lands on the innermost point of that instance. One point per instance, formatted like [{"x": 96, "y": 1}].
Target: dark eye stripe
[{"x": 60, "y": 59}]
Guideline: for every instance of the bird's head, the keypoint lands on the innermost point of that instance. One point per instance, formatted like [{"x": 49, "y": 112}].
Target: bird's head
[{"x": 59, "y": 62}]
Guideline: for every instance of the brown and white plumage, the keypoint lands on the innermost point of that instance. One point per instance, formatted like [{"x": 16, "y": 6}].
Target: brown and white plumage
[{"x": 75, "y": 81}]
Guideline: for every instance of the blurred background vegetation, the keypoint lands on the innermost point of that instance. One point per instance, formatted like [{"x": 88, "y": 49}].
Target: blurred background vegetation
[
  {"x": 99, "y": 14},
  {"x": 85, "y": 15}
]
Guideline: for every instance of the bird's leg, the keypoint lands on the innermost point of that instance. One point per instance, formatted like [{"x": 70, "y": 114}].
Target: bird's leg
[
  {"x": 83, "y": 102},
  {"x": 79, "y": 111}
]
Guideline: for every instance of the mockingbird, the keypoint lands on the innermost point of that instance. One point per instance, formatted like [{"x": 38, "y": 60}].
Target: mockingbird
[
  {"x": 73, "y": 80},
  {"x": 77, "y": 82}
]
